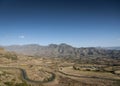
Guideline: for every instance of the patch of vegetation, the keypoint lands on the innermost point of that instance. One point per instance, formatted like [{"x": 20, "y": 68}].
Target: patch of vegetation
[
  {"x": 9, "y": 55},
  {"x": 117, "y": 83},
  {"x": 86, "y": 68},
  {"x": 15, "y": 84},
  {"x": 21, "y": 84},
  {"x": 9, "y": 83}
]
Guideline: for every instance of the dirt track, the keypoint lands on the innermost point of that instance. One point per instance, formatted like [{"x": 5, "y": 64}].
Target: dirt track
[{"x": 25, "y": 77}]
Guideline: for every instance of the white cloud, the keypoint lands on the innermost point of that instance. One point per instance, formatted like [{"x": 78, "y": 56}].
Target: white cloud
[{"x": 22, "y": 37}]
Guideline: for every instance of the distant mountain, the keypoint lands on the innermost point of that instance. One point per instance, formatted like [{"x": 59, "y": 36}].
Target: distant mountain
[
  {"x": 112, "y": 48},
  {"x": 63, "y": 50}
]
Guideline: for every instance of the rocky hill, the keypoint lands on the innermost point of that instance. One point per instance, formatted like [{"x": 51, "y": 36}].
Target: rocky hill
[{"x": 63, "y": 50}]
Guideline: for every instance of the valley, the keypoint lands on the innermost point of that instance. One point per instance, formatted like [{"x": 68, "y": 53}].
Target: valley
[{"x": 25, "y": 70}]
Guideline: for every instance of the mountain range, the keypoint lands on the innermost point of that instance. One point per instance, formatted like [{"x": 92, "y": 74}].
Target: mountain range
[
  {"x": 63, "y": 50},
  {"x": 112, "y": 48}
]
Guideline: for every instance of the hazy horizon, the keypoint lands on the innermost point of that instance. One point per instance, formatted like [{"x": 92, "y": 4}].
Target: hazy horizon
[
  {"x": 80, "y": 23},
  {"x": 62, "y": 43}
]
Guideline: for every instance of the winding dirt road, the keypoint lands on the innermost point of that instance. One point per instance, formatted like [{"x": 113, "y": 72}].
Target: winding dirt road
[
  {"x": 28, "y": 80},
  {"x": 94, "y": 77}
]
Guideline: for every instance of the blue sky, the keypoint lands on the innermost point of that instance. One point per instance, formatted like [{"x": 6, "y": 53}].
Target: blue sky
[{"x": 81, "y": 23}]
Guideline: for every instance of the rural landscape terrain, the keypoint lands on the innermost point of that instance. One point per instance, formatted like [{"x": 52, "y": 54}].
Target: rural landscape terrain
[
  {"x": 59, "y": 65},
  {"x": 59, "y": 42}
]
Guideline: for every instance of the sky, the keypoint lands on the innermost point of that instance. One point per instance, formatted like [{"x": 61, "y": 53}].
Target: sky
[{"x": 80, "y": 23}]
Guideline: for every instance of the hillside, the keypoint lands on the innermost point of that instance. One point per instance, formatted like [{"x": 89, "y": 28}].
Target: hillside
[
  {"x": 7, "y": 55},
  {"x": 62, "y": 50},
  {"x": 72, "y": 67}
]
